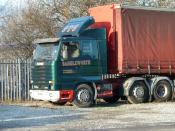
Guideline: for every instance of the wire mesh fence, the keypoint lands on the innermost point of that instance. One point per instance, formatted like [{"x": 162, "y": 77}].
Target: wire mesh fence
[{"x": 15, "y": 80}]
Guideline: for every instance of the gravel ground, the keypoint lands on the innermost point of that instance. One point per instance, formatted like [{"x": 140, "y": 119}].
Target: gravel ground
[{"x": 33, "y": 116}]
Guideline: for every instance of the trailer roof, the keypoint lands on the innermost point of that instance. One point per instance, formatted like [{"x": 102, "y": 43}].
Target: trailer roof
[{"x": 144, "y": 8}]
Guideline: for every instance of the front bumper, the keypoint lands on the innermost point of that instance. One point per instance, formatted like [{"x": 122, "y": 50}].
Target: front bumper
[{"x": 53, "y": 96}]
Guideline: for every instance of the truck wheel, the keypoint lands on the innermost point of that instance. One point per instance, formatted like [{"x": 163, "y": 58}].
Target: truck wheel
[
  {"x": 84, "y": 96},
  {"x": 162, "y": 91},
  {"x": 112, "y": 100},
  {"x": 138, "y": 93}
]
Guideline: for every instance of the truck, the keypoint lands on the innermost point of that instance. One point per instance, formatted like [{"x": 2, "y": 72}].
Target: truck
[{"x": 117, "y": 52}]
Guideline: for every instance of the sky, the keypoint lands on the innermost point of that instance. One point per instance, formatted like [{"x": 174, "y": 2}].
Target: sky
[
  {"x": 13, "y": 3},
  {"x": 2, "y": 2},
  {"x": 6, "y": 4}
]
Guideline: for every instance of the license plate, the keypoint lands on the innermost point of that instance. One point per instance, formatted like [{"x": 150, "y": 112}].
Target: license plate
[
  {"x": 40, "y": 63},
  {"x": 40, "y": 93}
]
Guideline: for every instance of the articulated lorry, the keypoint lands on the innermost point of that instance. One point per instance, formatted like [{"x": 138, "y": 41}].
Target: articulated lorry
[{"x": 125, "y": 52}]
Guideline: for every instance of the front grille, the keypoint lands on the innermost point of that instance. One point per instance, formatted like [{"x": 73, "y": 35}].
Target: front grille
[{"x": 41, "y": 75}]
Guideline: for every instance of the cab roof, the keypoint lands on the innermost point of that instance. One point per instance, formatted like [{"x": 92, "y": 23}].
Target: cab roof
[{"x": 76, "y": 26}]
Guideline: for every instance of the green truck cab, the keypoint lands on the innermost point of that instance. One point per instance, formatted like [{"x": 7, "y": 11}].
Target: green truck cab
[{"x": 69, "y": 68}]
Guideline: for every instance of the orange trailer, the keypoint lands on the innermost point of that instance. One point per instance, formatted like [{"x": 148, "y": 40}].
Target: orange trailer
[{"x": 140, "y": 40}]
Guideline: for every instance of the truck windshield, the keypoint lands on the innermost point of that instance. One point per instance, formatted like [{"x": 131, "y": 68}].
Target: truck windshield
[{"x": 46, "y": 51}]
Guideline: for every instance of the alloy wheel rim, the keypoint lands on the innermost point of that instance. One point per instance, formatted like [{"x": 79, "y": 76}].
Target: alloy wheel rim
[
  {"x": 138, "y": 91},
  {"x": 83, "y": 96},
  {"x": 162, "y": 91}
]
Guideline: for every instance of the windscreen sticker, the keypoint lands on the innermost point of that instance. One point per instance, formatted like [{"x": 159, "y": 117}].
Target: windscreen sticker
[{"x": 76, "y": 63}]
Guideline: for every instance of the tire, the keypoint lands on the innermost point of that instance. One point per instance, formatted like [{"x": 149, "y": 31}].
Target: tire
[
  {"x": 162, "y": 91},
  {"x": 112, "y": 100},
  {"x": 84, "y": 96},
  {"x": 138, "y": 93}
]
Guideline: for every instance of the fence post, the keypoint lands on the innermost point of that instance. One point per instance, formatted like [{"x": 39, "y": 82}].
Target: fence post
[
  {"x": 13, "y": 80},
  {"x": 16, "y": 79},
  {"x": 19, "y": 73},
  {"x": 25, "y": 85},
  {"x": 1, "y": 81},
  {"x": 28, "y": 78},
  {"x": 10, "y": 78}
]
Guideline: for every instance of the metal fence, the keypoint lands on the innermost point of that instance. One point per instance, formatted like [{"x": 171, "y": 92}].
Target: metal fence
[{"x": 15, "y": 80}]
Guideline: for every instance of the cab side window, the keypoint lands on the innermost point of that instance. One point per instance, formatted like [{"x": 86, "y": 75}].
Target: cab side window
[
  {"x": 70, "y": 50},
  {"x": 89, "y": 49}
]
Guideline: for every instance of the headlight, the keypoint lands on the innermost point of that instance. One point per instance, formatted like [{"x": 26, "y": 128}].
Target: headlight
[{"x": 50, "y": 82}]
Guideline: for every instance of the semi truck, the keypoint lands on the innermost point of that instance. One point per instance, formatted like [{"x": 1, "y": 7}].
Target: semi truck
[{"x": 117, "y": 52}]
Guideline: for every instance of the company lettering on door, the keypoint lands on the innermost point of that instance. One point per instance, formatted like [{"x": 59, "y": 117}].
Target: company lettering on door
[{"x": 76, "y": 63}]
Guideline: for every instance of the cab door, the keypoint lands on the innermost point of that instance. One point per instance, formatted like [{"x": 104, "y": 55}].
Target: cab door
[
  {"x": 89, "y": 54},
  {"x": 79, "y": 62},
  {"x": 70, "y": 55}
]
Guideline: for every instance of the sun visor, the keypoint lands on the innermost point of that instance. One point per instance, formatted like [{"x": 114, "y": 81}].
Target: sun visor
[{"x": 76, "y": 26}]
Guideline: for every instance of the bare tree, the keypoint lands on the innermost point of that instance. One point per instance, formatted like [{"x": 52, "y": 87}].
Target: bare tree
[
  {"x": 44, "y": 18},
  {"x": 21, "y": 28}
]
